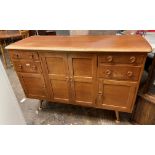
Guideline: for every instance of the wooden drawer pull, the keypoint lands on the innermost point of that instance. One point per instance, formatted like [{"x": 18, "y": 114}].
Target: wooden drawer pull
[
  {"x": 109, "y": 58},
  {"x": 19, "y": 66},
  {"x": 34, "y": 67},
  {"x": 132, "y": 59},
  {"x": 129, "y": 73},
  {"x": 108, "y": 72},
  {"x": 27, "y": 65}
]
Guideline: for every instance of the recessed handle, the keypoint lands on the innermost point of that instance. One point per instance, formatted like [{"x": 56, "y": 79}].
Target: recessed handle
[
  {"x": 32, "y": 56},
  {"x": 34, "y": 67},
  {"x": 17, "y": 55},
  {"x": 109, "y": 58},
  {"x": 129, "y": 73},
  {"x": 19, "y": 66},
  {"x": 132, "y": 59},
  {"x": 100, "y": 93}
]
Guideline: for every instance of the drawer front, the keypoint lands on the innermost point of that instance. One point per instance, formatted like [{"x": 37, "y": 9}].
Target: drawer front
[
  {"x": 121, "y": 59},
  {"x": 24, "y": 55},
  {"x": 26, "y": 66},
  {"x": 119, "y": 72}
]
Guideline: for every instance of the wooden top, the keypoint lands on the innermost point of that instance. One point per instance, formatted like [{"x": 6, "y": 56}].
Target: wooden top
[
  {"x": 9, "y": 34},
  {"x": 103, "y": 43}
]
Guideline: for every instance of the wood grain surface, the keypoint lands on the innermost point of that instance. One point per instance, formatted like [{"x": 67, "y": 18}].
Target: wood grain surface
[
  {"x": 103, "y": 43},
  {"x": 9, "y": 34}
]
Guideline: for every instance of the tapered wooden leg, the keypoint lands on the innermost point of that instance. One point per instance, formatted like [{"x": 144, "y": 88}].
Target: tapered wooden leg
[
  {"x": 11, "y": 63},
  {"x": 3, "y": 56},
  {"x": 41, "y": 105},
  {"x": 117, "y": 117}
]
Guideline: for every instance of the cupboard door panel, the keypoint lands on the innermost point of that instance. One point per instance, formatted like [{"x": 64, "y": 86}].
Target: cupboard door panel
[
  {"x": 56, "y": 70},
  {"x": 56, "y": 65},
  {"x": 82, "y": 66},
  {"x": 83, "y": 92},
  {"x": 33, "y": 85},
  {"x": 116, "y": 95},
  {"x": 60, "y": 90},
  {"x": 83, "y": 76}
]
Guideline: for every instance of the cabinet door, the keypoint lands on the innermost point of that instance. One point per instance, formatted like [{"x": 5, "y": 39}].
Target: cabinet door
[
  {"x": 82, "y": 69},
  {"x": 56, "y": 70},
  {"x": 33, "y": 85},
  {"x": 116, "y": 95}
]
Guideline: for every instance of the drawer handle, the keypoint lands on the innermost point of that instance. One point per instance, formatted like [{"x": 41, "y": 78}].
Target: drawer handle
[
  {"x": 31, "y": 56},
  {"x": 132, "y": 59},
  {"x": 27, "y": 65},
  {"x": 19, "y": 66},
  {"x": 17, "y": 55},
  {"x": 34, "y": 67},
  {"x": 109, "y": 58},
  {"x": 108, "y": 72},
  {"x": 129, "y": 73}
]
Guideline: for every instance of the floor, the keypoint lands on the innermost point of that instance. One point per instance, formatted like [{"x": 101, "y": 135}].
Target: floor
[{"x": 60, "y": 114}]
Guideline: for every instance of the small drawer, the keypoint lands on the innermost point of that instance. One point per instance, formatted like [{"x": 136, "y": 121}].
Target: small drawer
[
  {"x": 24, "y": 55},
  {"x": 118, "y": 72},
  {"x": 26, "y": 66},
  {"x": 118, "y": 58}
]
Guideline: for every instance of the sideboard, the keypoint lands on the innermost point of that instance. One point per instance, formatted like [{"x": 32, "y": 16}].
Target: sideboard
[{"x": 95, "y": 71}]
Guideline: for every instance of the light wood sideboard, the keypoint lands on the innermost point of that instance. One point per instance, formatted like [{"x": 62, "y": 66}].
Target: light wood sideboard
[{"x": 95, "y": 71}]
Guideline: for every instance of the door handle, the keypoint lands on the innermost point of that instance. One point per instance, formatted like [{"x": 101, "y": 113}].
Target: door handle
[
  {"x": 71, "y": 79},
  {"x": 100, "y": 98},
  {"x": 67, "y": 79}
]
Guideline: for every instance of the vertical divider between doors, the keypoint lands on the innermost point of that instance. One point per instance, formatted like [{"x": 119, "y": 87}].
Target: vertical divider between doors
[
  {"x": 95, "y": 83},
  {"x": 71, "y": 74},
  {"x": 67, "y": 75}
]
